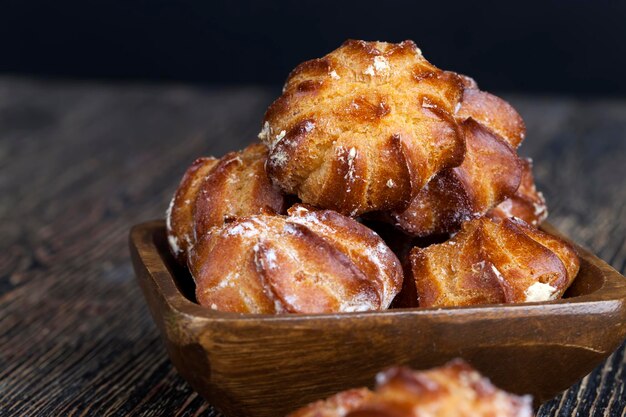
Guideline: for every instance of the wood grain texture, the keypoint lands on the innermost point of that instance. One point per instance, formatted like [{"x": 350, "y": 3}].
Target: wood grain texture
[
  {"x": 227, "y": 357},
  {"x": 81, "y": 163}
]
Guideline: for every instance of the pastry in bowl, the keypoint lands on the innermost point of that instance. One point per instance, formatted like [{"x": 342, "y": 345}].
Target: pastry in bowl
[
  {"x": 364, "y": 128},
  {"x": 214, "y": 190},
  {"x": 491, "y": 262},
  {"x": 310, "y": 261},
  {"x": 490, "y": 173},
  {"x": 492, "y": 112},
  {"x": 527, "y": 203},
  {"x": 453, "y": 390}
]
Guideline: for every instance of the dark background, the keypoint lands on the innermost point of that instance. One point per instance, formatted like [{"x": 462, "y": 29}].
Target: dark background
[{"x": 570, "y": 47}]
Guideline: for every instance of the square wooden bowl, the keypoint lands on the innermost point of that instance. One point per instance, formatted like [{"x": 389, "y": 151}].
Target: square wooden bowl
[{"x": 267, "y": 366}]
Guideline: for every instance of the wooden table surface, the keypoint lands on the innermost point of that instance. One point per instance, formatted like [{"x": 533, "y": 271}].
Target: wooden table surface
[{"x": 82, "y": 162}]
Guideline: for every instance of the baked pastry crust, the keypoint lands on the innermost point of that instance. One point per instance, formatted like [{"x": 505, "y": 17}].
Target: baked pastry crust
[
  {"x": 453, "y": 390},
  {"x": 493, "y": 261},
  {"x": 215, "y": 190},
  {"x": 526, "y": 204},
  {"x": 364, "y": 128},
  {"x": 492, "y": 112},
  {"x": 490, "y": 172},
  {"x": 179, "y": 215},
  {"x": 311, "y": 261}
]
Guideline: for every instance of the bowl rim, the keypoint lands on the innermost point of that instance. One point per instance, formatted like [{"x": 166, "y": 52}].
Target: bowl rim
[{"x": 612, "y": 288}]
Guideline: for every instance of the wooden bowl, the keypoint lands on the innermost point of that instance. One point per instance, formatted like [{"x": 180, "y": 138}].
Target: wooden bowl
[{"x": 267, "y": 366}]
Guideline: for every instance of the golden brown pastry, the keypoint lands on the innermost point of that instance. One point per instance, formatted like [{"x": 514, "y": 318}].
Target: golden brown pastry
[
  {"x": 364, "y": 128},
  {"x": 492, "y": 112},
  {"x": 490, "y": 172},
  {"x": 493, "y": 261},
  {"x": 527, "y": 203},
  {"x": 179, "y": 215},
  {"x": 453, "y": 390},
  {"x": 307, "y": 262},
  {"x": 214, "y": 190}
]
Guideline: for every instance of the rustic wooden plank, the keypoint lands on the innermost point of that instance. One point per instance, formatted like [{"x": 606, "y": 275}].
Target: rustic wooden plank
[{"x": 80, "y": 163}]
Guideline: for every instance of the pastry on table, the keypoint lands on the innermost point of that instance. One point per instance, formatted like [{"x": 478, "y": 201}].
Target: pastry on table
[
  {"x": 453, "y": 390},
  {"x": 490, "y": 173},
  {"x": 214, "y": 190},
  {"x": 493, "y": 261},
  {"x": 364, "y": 128},
  {"x": 310, "y": 261},
  {"x": 527, "y": 203}
]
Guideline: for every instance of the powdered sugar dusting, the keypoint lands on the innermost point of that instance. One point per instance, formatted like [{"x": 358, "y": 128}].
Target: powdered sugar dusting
[
  {"x": 381, "y": 64},
  {"x": 265, "y": 132},
  {"x": 244, "y": 229},
  {"x": 352, "y": 153},
  {"x": 427, "y": 104},
  {"x": 168, "y": 215},
  {"x": 506, "y": 206},
  {"x": 305, "y": 217},
  {"x": 540, "y": 208},
  {"x": 359, "y": 302},
  {"x": 173, "y": 241},
  {"x": 498, "y": 274},
  {"x": 227, "y": 281},
  {"x": 355, "y": 308},
  {"x": 334, "y": 75},
  {"x": 540, "y": 292},
  {"x": 270, "y": 257},
  {"x": 279, "y": 158}
]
